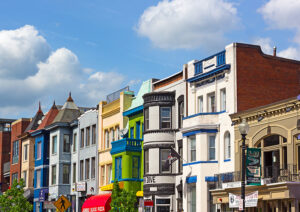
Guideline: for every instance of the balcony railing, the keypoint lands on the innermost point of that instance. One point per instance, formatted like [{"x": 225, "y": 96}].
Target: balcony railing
[
  {"x": 126, "y": 144},
  {"x": 270, "y": 174}
]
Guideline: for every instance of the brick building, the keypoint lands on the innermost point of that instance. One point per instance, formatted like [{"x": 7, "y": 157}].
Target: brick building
[
  {"x": 238, "y": 78},
  {"x": 18, "y": 128},
  {"x": 5, "y": 131}
]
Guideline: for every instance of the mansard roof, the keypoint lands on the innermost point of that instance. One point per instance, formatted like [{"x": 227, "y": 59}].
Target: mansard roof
[
  {"x": 35, "y": 120},
  {"x": 49, "y": 117}
]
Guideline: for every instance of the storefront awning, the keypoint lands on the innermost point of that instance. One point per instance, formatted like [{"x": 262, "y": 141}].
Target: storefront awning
[
  {"x": 140, "y": 194},
  {"x": 110, "y": 187},
  {"x": 97, "y": 203}
]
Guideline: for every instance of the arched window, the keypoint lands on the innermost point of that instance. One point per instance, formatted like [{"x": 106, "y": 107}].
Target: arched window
[{"x": 227, "y": 146}]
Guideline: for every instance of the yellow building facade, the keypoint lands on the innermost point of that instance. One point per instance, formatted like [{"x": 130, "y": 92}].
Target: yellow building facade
[
  {"x": 110, "y": 122},
  {"x": 275, "y": 129}
]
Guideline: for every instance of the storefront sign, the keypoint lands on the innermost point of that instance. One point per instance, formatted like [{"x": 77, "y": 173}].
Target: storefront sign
[
  {"x": 43, "y": 194},
  {"x": 81, "y": 186},
  {"x": 251, "y": 200},
  {"x": 231, "y": 185},
  {"x": 148, "y": 203},
  {"x": 253, "y": 172},
  {"x": 48, "y": 205},
  {"x": 150, "y": 179}
]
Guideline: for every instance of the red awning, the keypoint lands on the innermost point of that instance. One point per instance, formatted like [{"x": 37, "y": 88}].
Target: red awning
[{"x": 98, "y": 203}]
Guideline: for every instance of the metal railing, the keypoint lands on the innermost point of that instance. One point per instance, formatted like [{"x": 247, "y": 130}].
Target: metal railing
[
  {"x": 269, "y": 174},
  {"x": 115, "y": 95},
  {"x": 126, "y": 144}
]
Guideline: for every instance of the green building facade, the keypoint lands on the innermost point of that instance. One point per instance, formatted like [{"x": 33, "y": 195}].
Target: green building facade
[{"x": 127, "y": 153}]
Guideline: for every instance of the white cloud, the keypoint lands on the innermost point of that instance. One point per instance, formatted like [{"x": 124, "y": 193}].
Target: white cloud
[
  {"x": 20, "y": 51},
  {"x": 290, "y": 52},
  {"x": 45, "y": 75},
  {"x": 282, "y": 14},
  {"x": 265, "y": 44},
  {"x": 188, "y": 24}
]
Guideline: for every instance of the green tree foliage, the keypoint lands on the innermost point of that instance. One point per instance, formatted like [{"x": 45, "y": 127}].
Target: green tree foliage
[
  {"x": 13, "y": 199},
  {"x": 122, "y": 200}
]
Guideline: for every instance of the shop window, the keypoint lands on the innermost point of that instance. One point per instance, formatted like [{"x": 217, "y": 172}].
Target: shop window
[{"x": 162, "y": 205}]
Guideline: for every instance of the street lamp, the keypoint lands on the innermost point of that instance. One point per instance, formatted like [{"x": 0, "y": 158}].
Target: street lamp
[{"x": 243, "y": 128}]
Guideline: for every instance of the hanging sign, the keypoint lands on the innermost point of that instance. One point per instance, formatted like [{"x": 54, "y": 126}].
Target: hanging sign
[
  {"x": 253, "y": 172},
  {"x": 235, "y": 201}
]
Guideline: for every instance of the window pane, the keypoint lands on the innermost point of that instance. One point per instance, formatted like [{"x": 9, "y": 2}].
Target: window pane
[
  {"x": 212, "y": 147},
  {"x": 200, "y": 104},
  {"x": 66, "y": 143},
  {"x": 93, "y": 167},
  {"x": 94, "y": 134},
  {"x": 223, "y": 99},
  {"x": 146, "y": 158},
  {"x": 164, "y": 160},
  {"x": 54, "y": 144},
  {"x": 74, "y": 172},
  {"x": 165, "y": 117},
  {"x": 87, "y": 169},
  {"x": 66, "y": 174},
  {"x": 38, "y": 178},
  {"x": 82, "y": 138},
  {"x": 135, "y": 167},
  {"x": 192, "y": 148},
  {"x": 74, "y": 142},
  {"x": 53, "y": 177},
  {"x": 147, "y": 119},
  {"x": 87, "y": 136},
  {"x": 211, "y": 103},
  {"x": 39, "y": 150},
  {"x": 81, "y": 170},
  {"x": 109, "y": 173}
]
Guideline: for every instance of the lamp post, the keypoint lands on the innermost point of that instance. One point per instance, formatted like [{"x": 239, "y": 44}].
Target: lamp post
[{"x": 243, "y": 128}]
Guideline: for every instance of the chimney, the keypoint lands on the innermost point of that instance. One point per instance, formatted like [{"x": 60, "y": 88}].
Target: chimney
[{"x": 274, "y": 51}]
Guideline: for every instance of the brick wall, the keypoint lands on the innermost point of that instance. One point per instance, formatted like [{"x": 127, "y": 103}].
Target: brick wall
[
  {"x": 17, "y": 129},
  {"x": 4, "y": 156},
  {"x": 264, "y": 79}
]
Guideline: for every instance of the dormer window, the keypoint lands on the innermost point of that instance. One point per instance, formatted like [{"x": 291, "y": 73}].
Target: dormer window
[{"x": 198, "y": 68}]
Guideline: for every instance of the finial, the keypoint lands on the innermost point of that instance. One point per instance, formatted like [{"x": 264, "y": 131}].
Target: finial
[
  {"x": 54, "y": 105},
  {"x": 70, "y": 98},
  {"x": 40, "y": 109}
]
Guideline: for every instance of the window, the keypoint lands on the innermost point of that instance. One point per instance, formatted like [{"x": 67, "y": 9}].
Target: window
[
  {"x": 54, "y": 144},
  {"x": 212, "y": 148},
  {"x": 109, "y": 173},
  {"x": 117, "y": 133},
  {"x": 135, "y": 167},
  {"x": 138, "y": 130},
  {"x": 39, "y": 151},
  {"x": 81, "y": 138},
  {"x": 106, "y": 139},
  {"x": 227, "y": 147},
  {"x": 38, "y": 178},
  {"x": 164, "y": 165},
  {"x": 192, "y": 197},
  {"x": 66, "y": 174},
  {"x": 165, "y": 117},
  {"x": 87, "y": 136},
  {"x": 192, "y": 148},
  {"x": 14, "y": 177},
  {"x": 180, "y": 151},
  {"x": 112, "y": 132},
  {"x": 94, "y": 134},
  {"x": 181, "y": 114},
  {"x": 146, "y": 117},
  {"x": 223, "y": 99},
  {"x": 146, "y": 158},
  {"x": 198, "y": 68},
  {"x": 118, "y": 168},
  {"x": 53, "y": 175},
  {"x": 102, "y": 175},
  {"x": 25, "y": 177},
  {"x": 87, "y": 169},
  {"x": 15, "y": 152},
  {"x": 211, "y": 102},
  {"x": 81, "y": 170},
  {"x": 131, "y": 132},
  {"x": 200, "y": 104},
  {"x": 66, "y": 147},
  {"x": 74, "y": 142},
  {"x": 162, "y": 205},
  {"x": 93, "y": 173},
  {"x": 74, "y": 173},
  {"x": 25, "y": 152}
]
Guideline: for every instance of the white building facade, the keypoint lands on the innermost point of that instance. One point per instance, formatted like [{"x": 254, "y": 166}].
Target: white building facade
[{"x": 208, "y": 141}]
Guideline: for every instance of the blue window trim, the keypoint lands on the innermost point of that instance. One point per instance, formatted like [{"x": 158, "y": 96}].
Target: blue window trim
[
  {"x": 134, "y": 111},
  {"x": 192, "y": 179},
  {"x": 200, "y": 131},
  {"x": 204, "y": 114},
  {"x": 227, "y": 160},
  {"x": 138, "y": 168},
  {"x": 199, "y": 162},
  {"x": 211, "y": 179},
  {"x": 128, "y": 179},
  {"x": 209, "y": 74}
]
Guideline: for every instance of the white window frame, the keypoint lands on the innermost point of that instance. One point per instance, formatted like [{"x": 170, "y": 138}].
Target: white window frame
[
  {"x": 189, "y": 197},
  {"x": 209, "y": 147},
  {"x": 25, "y": 177},
  {"x": 39, "y": 150},
  {"x": 200, "y": 104},
  {"x": 165, "y": 119},
  {"x": 54, "y": 150},
  {"x": 223, "y": 99},
  {"x": 38, "y": 178},
  {"x": 67, "y": 137},
  {"x": 211, "y": 108},
  {"x": 227, "y": 145},
  {"x": 190, "y": 139},
  {"x": 53, "y": 175},
  {"x": 25, "y": 158}
]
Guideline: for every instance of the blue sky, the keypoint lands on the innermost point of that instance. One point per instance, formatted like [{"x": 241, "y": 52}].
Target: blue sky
[{"x": 92, "y": 48}]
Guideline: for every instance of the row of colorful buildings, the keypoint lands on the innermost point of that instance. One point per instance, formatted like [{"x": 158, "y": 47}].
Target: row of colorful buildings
[{"x": 79, "y": 152}]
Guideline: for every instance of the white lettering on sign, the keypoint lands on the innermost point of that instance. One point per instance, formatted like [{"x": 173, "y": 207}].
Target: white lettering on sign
[{"x": 150, "y": 179}]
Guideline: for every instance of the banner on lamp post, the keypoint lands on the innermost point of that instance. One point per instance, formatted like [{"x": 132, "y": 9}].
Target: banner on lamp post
[{"x": 253, "y": 169}]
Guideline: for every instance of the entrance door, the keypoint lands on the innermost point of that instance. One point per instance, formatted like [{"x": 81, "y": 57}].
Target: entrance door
[{"x": 271, "y": 164}]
